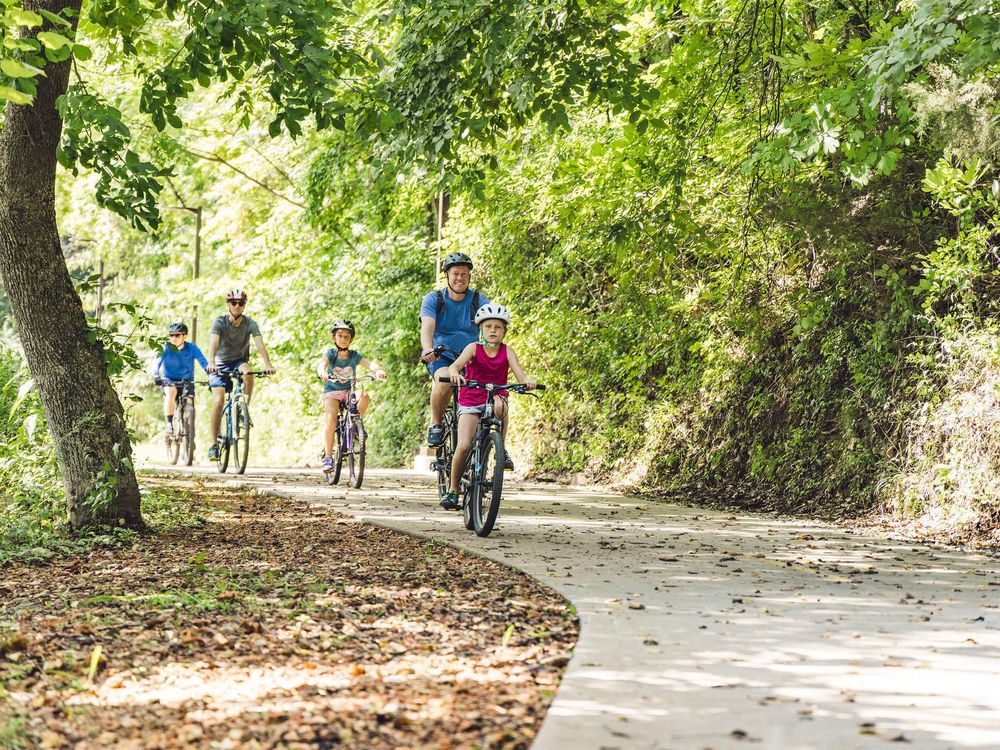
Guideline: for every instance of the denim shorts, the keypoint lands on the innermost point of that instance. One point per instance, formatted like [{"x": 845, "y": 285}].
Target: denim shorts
[
  {"x": 217, "y": 380},
  {"x": 443, "y": 360}
]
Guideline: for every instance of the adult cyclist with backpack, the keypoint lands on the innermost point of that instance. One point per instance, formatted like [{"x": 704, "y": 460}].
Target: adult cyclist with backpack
[{"x": 448, "y": 318}]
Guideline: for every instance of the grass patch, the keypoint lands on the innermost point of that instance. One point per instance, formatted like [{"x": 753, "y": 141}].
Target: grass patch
[
  {"x": 37, "y": 531},
  {"x": 12, "y": 731}
]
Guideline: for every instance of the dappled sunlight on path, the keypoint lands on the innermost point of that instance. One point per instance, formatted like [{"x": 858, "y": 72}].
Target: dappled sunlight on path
[{"x": 707, "y": 630}]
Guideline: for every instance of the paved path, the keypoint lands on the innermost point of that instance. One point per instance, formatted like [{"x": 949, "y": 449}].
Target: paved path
[{"x": 707, "y": 630}]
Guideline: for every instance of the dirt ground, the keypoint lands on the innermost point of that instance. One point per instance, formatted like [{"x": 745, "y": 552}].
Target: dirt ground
[{"x": 277, "y": 624}]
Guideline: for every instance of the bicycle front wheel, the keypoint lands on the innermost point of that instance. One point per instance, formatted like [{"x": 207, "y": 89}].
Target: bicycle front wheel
[
  {"x": 356, "y": 458},
  {"x": 338, "y": 453},
  {"x": 187, "y": 434},
  {"x": 226, "y": 442},
  {"x": 488, "y": 482},
  {"x": 173, "y": 448},
  {"x": 241, "y": 438}
]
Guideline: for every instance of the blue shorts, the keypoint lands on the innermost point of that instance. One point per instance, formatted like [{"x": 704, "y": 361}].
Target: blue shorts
[
  {"x": 217, "y": 379},
  {"x": 443, "y": 360}
]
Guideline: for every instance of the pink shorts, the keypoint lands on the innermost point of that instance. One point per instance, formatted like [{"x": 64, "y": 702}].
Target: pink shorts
[{"x": 341, "y": 396}]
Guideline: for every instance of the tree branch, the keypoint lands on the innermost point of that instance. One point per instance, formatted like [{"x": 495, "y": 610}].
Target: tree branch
[{"x": 218, "y": 159}]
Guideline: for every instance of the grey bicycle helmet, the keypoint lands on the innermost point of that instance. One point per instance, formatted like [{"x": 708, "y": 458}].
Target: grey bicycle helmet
[
  {"x": 492, "y": 311},
  {"x": 456, "y": 259},
  {"x": 345, "y": 324},
  {"x": 177, "y": 328},
  {"x": 236, "y": 294}
]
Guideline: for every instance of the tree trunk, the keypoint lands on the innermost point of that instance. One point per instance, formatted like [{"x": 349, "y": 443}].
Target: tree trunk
[{"x": 83, "y": 411}]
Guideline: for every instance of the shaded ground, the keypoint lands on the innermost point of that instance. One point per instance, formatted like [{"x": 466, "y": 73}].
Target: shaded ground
[{"x": 277, "y": 624}]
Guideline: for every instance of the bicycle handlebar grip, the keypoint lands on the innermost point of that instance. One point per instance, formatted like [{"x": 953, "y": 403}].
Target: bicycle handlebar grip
[
  {"x": 539, "y": 387},
  {"x": 444, "y": 379}
]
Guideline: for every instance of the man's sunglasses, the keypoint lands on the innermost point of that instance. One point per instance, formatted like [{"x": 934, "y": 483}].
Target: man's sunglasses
[
  {"x": 238, "y": 302},
  {"x": 174, "y": 335}
]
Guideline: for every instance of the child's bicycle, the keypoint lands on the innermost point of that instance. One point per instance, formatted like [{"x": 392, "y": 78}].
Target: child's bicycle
[
  {"x": 180, "y": 442},
  {"x": 349, "y": 438},
  {"x": 236, "y": 423},
  {"x": 482, "y": 477}
]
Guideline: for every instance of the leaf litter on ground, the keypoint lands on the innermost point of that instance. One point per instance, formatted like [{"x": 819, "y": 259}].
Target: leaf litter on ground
[{"x": 277, "y": 624}]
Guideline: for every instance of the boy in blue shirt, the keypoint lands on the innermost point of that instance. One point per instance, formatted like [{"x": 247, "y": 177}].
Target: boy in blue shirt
[{"x": 176, "y": 363}]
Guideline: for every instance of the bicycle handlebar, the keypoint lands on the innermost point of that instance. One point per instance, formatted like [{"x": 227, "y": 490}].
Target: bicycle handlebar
[
  {"x": 240, "y": 375},
  {"x": 354, "y": 380},
  {"x": 439, "y": 350},
  {"x": 515, "y": 387}
]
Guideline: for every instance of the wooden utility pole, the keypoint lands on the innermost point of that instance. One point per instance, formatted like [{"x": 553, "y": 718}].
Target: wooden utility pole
[
  {"x": 197, "y": 268},
  {"x": 100, "y": 293}
]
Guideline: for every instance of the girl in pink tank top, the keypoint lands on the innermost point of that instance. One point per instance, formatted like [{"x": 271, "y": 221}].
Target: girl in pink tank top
[{"x": 489, "y": 361}]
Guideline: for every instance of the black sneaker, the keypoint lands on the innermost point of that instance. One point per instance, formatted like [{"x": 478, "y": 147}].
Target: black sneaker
[
  {"x": 213, "y": 453},
  {"x": 435, "y": 435},
  {"x": 508, "y": 465},
  {"x": 450, "y": 501}
]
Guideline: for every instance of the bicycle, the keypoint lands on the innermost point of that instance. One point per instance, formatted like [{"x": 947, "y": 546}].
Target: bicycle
[
  {"x": 180, "y": 442},
  {"x": 236, "y": 418},
  {"x": 350, "y": 438},
  {"x": 481, "y": 484},
  {"x": 446, "y": 451}
]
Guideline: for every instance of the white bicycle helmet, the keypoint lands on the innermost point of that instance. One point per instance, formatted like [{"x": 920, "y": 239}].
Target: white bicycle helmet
[
  {"x": 342, "y": 323},
  {"x": 236, "y": 294},
  {"x": 492, "y": 311}
]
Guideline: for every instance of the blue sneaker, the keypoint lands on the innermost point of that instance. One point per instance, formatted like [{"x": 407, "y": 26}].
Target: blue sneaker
[
  {"x": 213, "y": 453},
  {"x": 450, "y": 501},
  {"x": 435, "y": 435}
]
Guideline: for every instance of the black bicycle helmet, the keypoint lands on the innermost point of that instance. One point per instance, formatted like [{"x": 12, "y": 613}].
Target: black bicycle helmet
[
  {"x": 456, "y": 259},
  {"x": 345, "y": 324},
  {"x": 177, "y": 328}
]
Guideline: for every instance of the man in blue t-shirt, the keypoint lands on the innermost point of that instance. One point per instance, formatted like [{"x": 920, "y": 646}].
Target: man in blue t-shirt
[
  {"x": 447, "y": 319},
  {"x": 176, "y": 363}
]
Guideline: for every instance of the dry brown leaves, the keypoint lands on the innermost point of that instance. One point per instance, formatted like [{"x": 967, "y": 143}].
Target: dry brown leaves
[{"x": 277, "y": 624}]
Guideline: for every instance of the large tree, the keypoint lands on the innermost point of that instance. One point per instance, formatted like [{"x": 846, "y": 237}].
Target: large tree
[{"x": 67, "y": 361}]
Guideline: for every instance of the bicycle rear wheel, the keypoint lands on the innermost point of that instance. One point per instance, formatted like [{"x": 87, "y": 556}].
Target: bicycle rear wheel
[
  {"x": 488, "y": 481},
  {"x": 187, "y": 433},
  {"x": 356, "y": 458},
  {"x": 241, "y": 438},
  {"x": 445, "y": 452}
]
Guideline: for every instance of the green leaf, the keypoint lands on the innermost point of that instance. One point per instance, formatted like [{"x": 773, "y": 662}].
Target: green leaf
[
  {"x": 14, "y": 96},
  {"x": 22, "y": 45},
  {"x": 58, "y": 20},
  {"x": 52, "y": 40},
  {"x": 23, "y": 17},
  {"x": 16, "y": 69},
  {"x": 507, "y": 635},
  {"x": 82, "y": 52},
  {"x": 95, "y": 662}
]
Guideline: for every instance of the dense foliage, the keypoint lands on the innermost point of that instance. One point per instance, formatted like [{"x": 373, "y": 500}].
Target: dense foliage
[{"x": 753, "y": 244}]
